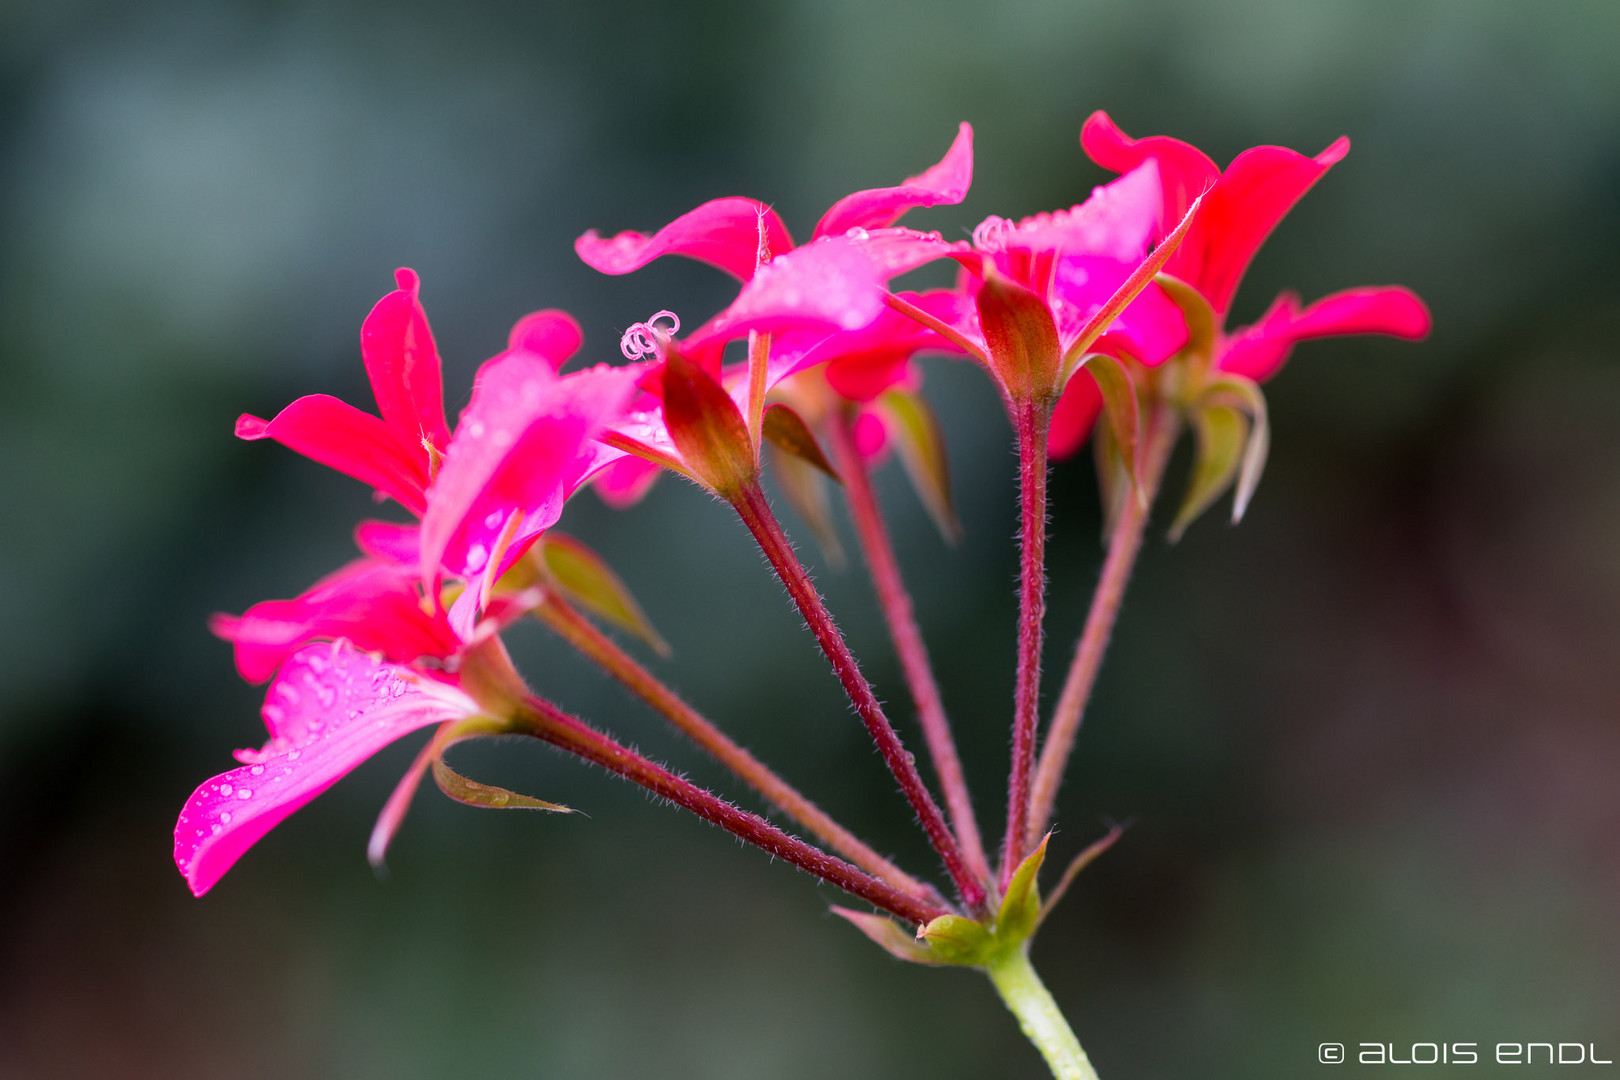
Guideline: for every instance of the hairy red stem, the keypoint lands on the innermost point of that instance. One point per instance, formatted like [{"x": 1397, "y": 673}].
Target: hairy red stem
[
  {"x": 1123, "y": 546},
  {"x": 756, "y": 513},
  {"x": 545, "y": 721},
  {"x": 596, "y": 646},
  {"x": 1031, "y": 419},
  {"x": 908, "y": 641}
]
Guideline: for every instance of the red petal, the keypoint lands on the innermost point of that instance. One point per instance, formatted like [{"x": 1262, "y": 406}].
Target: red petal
[
  {"x": 1258, "y": 352},
  {"x": 522, "y": 445},
  {"x": 1184, "y": 171},
  {"x": 373, "y": 604},
  {"x": 551, "y": 334},
  {"x": 876, "y": 208},
  {"x": 1242, "y": 209},
  {"x": 403, "y": 364},
  {"x": 337, "y": 434},
  {"x": 331, "y": 708},
  {"x": 722, "y": 232}
]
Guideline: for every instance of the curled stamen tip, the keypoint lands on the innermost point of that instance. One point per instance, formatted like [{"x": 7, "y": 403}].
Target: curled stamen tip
[
  {"x": 642, "y": 340},
  {"x": 990, "y": 235}
]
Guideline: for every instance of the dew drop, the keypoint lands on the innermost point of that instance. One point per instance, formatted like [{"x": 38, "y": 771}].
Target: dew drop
[
  {"x": 257, "y": 770},
  {"x": 225, "y": 817},
  {"x": 225, "y": 790},
  {"x": 244, "y": 793}
]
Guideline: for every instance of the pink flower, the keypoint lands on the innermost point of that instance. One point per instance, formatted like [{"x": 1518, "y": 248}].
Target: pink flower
[
  {"x": 523, "y": 445},
  {"x": 1241, "y": 207},
  {"x": 330, "y": 708},
  {"x": 397, "y": 454},
  {"x": 740, "y": 235},
  {"x": 1044, "y": 289}
]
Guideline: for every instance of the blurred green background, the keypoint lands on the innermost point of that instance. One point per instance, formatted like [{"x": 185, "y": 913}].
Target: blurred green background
[{"x": 1368, "y": 741}]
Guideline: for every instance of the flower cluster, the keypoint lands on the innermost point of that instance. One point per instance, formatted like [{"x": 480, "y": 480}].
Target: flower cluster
[{"x": 1105, "y": 319}]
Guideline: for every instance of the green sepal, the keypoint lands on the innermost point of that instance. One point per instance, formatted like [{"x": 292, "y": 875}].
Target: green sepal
[
  {"x": 956, "y": 939},
  {"x": 1222, "y": 432},
  {"x": 1120, "y": 405},
  {"x": 706, "y": 426},
  {"x": 920, "y": 443},
  {"x": 488, "y": 796},
  {"x": 1025, "y": 354},
  {"x": 805, "y": 488},
  {"x": 585, "y": 578},
  {"x": 786, "y": 430},
  {"x": 1021, "y": 906},
  {"x": 890, "y": 936},
  {"x": 1199, "y": 317},
  {"x": 1235, "y": 390},
  {"x": 1113, "y": 482}
]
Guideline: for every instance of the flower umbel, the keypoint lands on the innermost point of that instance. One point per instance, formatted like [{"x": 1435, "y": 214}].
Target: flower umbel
[{"x": 1115, "y": 307}]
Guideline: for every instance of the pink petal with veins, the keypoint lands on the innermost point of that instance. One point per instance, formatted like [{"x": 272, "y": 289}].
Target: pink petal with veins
[
  {"x": 1151, "y": 325},
  {"x": 828, "y": 284},
  {"x": 1185, "y": 172},
  {"x": 946, "y": 183},
  {"x": 1258, "y": 352},
  {"x": 1252, "y": 196},
  {"x": 339, "y": 435},
  {"x": 373, "y": 604},
  {"x": 722, "y": 232},
  {"x": 331, "y": 708},
  {"x": 552, "y": 335},
  {"x": 390, "y": 542},
  {"x": 403, "y": 364},
  {"x": 626, "y": 482},
  {"x": 522, "y": 445}
]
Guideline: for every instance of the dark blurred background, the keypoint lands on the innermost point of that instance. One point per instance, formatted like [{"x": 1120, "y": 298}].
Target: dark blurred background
[{"x": 1368, "y": 741}]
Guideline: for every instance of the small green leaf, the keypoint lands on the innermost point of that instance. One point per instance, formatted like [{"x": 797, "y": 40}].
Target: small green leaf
[
  {"x": 1120, "y": 404},
  {"x": 890, "y": 936},
  {"x": 1235, "y": 390},
  {"x": 473, "y": 793},
  {"x": 1221, "y": 431},
  {"x": 1020, "y": 337},
  {"x": 1113, "y": 482},
  {"x": 787, "y": 431},
  {"x": 584, "y": 577},
  {"x": 959, "y": 940},
  {"x": 920, "y": 442},
  {"x": 1196, "y": 313},
  {"x": 1021, "y": 907},
  {"x": 805, "y": 487},
  {"x": 1079, "y": 863}
]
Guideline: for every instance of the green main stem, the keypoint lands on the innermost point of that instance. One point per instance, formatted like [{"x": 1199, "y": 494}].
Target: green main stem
[{"x": 1038, "y": 1017}]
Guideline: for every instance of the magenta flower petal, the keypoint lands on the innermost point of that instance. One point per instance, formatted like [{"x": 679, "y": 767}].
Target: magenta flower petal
[
  {"x": 1151, "y": 325},
  {"x": 828, "y": 284},
  {"x": 1258, "y": 352},
  {"x": 523, "y": 444},
  {"x": 339, "y": 435},
  {"x": 1256, "y": 191},
  {"x": 551, "y": 334},
  {"x": 626, "y": 481},
  {"x": 331, "y": 708},
  {"x": 373, "y": 604},
  {"x": 403, "y": 364},
  {"x": 1185, "y": 172},
  {"x": 1074, "y": 416},
  {"x": 722, "y": 232},
  {"x": 945, "y": 183},
  {"x": 390, "y": 541}
]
